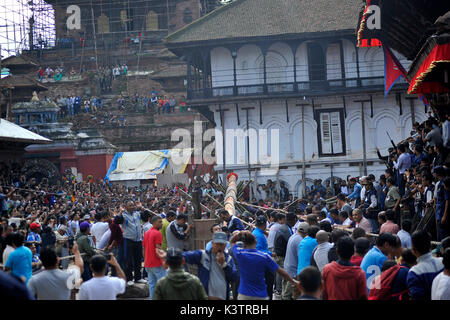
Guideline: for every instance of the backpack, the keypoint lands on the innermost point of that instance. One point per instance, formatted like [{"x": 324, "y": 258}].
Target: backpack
[{"x": 385, "y": 281}]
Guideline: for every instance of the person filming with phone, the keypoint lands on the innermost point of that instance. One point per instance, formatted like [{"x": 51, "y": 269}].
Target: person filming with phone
[{"x": 102, "y": 287}]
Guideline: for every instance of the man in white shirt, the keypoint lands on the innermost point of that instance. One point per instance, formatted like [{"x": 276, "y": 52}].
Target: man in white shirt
[
  {"x": 100, "y": 227},
  {"x": 440, "y": 289},
  {"x": 101, "y": 287}
]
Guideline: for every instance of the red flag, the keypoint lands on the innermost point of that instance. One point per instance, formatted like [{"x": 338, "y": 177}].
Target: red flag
[{"x": 393, "y": 70}]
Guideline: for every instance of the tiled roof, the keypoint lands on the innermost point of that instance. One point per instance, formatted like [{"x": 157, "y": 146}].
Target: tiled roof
[
  {"x": 256, "y": 18},
  {"x": 21, "y": 81}
]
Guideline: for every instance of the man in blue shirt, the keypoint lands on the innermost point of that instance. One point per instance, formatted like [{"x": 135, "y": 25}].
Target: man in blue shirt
[
  {"x": 233, "y": 223},
  {"x": 373, "y": 260},
  {"x": 261, "y": 240},
  {"x": 306, "y": 248},
  {"x": 356, "y": 194},
  {"x": 20, "y": 260},
  {"x": 252, "y": 266}
]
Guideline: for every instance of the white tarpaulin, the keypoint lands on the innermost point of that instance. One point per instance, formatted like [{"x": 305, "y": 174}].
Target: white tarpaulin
[{"x": 145, "y": 165}]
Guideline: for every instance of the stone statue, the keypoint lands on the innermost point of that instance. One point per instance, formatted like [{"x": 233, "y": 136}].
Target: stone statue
[{"x": 34, "y": 97}]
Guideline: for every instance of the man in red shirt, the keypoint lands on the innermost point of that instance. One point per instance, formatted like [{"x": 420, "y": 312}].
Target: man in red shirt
[
  {"x": 153, "y": 254},
  {"x": 341, "y": 279}
]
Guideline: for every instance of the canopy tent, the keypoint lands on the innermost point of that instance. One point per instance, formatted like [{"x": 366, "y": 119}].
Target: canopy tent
[{"x": 146, "y": 165}]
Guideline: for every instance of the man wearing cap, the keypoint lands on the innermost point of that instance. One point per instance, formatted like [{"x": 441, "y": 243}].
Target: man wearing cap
[
  {"x": 84, "y": 245},
  {"x": 291, "y": 259},
  {"x": 34, "y": 237},
  {"x": 216, "y": 268},
  {"x": 178, "y": 284}
]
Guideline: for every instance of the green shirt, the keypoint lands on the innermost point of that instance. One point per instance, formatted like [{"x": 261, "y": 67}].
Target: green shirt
[
  {"x": 391, "y": 198},
  {"x": 179, "y": 285},
  {"x": 165, "y": 223}
]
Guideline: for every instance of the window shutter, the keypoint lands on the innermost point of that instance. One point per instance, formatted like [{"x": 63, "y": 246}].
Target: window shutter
[
  {"x": 336, "y": 134},
  {"x": 325, "y": 132}
]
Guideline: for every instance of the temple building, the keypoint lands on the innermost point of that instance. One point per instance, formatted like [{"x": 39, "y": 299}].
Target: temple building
[{"x": 291, "y": 75}]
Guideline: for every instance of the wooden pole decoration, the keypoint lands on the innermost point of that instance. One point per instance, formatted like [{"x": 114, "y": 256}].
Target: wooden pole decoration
[{"x": 231, "y": 194}]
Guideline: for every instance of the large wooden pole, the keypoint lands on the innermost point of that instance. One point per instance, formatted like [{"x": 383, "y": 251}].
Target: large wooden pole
[{"x": 231, "y": 194}]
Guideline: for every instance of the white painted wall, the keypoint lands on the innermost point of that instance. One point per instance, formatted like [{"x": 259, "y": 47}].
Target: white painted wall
[
  {"x": 386, "y": 117},
  {"x": 221, "y": 67},
  {"x": 280, "y": 65}
]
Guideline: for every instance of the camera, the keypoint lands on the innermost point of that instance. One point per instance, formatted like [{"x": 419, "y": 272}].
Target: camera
[{"x": 107, "y": 256}]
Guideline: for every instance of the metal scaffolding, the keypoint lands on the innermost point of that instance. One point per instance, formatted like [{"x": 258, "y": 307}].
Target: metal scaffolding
[{"x": 26, "y": 24}]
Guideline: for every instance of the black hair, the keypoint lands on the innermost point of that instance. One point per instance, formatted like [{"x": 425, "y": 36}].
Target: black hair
[
  {"x": 401, "y": 147},
  {"x": 391, "y": 180},
  {"x": 446, "y": 260},
  {"x": 382, "y": 216},
  {"x": 387, "y": 264},
  {"x": 341, "y": 197},
  {"x": 155, "y": 218},
  {"x": 308, "y": 209},
  {"x": 345, "y": 248},
  {"x": 182, "y": 216},
  {"x": 390, "y": 215},
  {"x": 408, "y": 257},
  {"x": 421, "y": 241},
  {"x": 358, "y": 232},
  {"x": 171, "y": 213},
  {"x": 334, "y": 211},
  {"x": 48, "y": 257},
  {"x": 98, "y": 216},
  {"x": 362, "y": 245},
  {"x": 214, "y": 225},
  {"x": 223, "y": 212},
  {"x": 407, "y": 225},
  {"x": 336, "y": 234},
  {"x": 272, "y": 214},
  {"x": 312, "y": 231},
  {"x": 280, "y": 216},
  {"x": 145, "y": 215},
  {"x": 17, "y": 239},
  {"x": 310, "y": 279},
  {"x": 98, "y": 263},
  {"x": 343, "y": 214},
  {"x": 322, "y": 214},
  {"x": 326, "y": 226},
  {"x": 291, "y": 216},
  {"x": 386, "y": 237}
]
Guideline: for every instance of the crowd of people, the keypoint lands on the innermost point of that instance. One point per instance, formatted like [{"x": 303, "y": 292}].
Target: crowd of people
[{"x": 351, "y": 239}]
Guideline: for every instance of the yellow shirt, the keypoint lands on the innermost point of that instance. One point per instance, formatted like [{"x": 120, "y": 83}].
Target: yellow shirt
[{"x": 165, "y": 223}]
